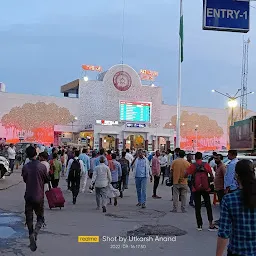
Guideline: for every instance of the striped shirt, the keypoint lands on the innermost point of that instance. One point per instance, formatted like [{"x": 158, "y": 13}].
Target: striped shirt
[{"x": 238, "y": 224}]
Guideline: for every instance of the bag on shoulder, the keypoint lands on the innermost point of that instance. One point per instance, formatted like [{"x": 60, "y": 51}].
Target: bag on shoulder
[
  {"x": 111, "y": 165},
  {"x": 75, "y": 170},
  {"x": 201, "y": 181}
]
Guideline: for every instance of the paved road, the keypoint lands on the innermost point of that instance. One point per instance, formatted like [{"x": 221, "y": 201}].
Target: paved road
[{"x": 64, "y": 226}]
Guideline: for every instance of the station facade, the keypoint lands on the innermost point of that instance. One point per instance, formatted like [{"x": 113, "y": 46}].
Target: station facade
[{"x": 115, "y": 111}]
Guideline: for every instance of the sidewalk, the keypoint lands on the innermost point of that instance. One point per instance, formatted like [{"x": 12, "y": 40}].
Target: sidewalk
[
  {"x": 60, "y": 236},
  {"x": 12, "y": 180}
]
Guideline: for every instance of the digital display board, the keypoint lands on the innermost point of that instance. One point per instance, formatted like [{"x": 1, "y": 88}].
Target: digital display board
[{"x": 135, "y": 111}]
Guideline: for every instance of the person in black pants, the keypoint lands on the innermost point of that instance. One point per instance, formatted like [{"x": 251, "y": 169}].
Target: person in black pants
[
  {"x": 163, "y": 162},
  {"x": 156, "y": 172},
  {"x": 194, "y": 170},
  {"x": 35, "y": 176},
  {"x": 75, "y": 171}
]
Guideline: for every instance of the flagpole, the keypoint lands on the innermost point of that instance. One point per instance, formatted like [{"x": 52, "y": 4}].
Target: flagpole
[{"x": 179, "y": 85}]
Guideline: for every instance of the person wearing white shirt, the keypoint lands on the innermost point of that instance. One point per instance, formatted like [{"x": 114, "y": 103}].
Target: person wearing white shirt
[
  {"x": 43, "y": 157},
  {"x": 11, "y": 156},
  {"x": 101, "y": 179},
  {"x": 163, "y": 163},
  {"x": 130, "y": 158},
  {"x": 75, "y": 182}
]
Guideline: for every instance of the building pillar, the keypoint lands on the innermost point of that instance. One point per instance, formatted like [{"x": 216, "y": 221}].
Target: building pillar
[
  {"x": 153, "y": 145},
  {"x": 146, "y": 145},
  {"x": 100, "y": 143},
  {"x": 168, "y": 144},
  {"x": 117, "y": 143},
  {"x": 124, "y": 144}
]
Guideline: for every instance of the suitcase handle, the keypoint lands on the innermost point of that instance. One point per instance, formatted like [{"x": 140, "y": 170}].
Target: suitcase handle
[{"x": 49, "y": 186}]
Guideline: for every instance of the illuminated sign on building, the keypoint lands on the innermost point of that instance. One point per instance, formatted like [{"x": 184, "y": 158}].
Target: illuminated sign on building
[
  {"x": 92, "y": 68},
  {"x": 104, "y": 122},
  {"x": 136, "y": 125},
  {"x": 131, "y": 111},
  {"x": 148, "y": 75}
]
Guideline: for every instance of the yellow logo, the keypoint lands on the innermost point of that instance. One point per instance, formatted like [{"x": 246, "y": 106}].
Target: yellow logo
[{"x": 88, "y": 239}]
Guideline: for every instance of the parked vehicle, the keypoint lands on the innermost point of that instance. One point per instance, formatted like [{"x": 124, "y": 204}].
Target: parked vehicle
[
  {"x": 243, "y": 135},
  {"x": 4, "y": 167}
]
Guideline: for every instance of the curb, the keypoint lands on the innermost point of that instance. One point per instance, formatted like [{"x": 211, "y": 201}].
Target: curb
[{"x": 10, "y": 186}]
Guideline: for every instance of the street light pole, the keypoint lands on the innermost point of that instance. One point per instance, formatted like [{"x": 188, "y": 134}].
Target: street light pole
[
  {"x": 196, "y": 130},
  {"x": 75, "y": 119},
  {"x": 232, "y": 101}
]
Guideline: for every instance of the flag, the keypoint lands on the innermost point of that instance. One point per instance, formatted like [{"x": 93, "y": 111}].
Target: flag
[{"x": 181, "y": 32}]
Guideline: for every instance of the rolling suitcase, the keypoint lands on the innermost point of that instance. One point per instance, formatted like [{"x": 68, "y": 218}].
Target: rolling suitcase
[{"x": 55, "y": 198}]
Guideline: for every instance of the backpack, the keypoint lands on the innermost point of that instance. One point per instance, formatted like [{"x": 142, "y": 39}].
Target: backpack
[
  {"x": 200, "y": 178},
  {"x": 52, "y": 168},
  {"x": 125, "y": 166},
  {"x": 75, "y": 170}
]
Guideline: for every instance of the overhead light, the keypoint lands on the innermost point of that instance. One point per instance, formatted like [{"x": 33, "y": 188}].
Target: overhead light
[
  {"x": 232, "y": 103},
  {"x": 75, "y": 118},
  {"x": 252, "y": 92},
  {"x": 152, "y": 85},
  {"x": 105, "y": 141},
  {"x": 86, "y": 78},
  {"x": 182, "y": 124},
  {"x": 213, "y": 90}
]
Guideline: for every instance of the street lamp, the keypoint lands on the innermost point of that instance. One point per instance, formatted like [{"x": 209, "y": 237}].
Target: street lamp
[
  {"x": 232, "y": 101},
  {"x": 86, "y": 78},
  {"x": 75, "y": 119},
  {"x": 196, "y": 130}
]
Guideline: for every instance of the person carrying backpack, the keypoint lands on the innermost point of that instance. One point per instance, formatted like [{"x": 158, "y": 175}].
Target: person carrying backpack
[
  {"x": 125, "y": 166},
  {"x": 201, "y": 187},
  {"x": 75, "y": 171}
]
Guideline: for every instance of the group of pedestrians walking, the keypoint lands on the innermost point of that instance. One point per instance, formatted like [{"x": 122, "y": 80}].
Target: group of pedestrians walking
[{"x": 234, "y": 185}]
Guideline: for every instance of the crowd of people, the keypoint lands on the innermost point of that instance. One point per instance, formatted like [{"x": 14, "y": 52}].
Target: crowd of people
[{"x": 234, "y": 185}]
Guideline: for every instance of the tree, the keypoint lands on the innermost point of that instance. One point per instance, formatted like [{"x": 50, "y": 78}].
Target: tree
[
  {"x": 207, "y": 128},
  {"x": 38, "y": 118}
]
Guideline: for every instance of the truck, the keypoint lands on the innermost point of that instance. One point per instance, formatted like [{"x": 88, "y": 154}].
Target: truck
[{"x": 242, "y": 135}]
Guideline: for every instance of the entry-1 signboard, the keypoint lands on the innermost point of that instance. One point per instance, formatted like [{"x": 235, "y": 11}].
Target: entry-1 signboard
[{"x": 226, "y": 15}]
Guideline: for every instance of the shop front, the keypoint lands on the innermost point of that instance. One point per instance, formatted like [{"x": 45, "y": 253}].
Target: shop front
[{"x": 87, "y": 138}]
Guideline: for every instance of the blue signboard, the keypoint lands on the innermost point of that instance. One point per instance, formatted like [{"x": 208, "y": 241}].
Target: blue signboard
[{"x": 226, "y": 15}]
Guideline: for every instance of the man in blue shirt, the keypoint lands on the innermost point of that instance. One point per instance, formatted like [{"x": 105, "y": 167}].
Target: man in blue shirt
[
  {"x": 86, "y": 162},
  {"x": 142, "y": 172},
  {"x": 230, "y": 183},
  {"x": 116, "y": 175},
  {"x": 97, "y": 160}
]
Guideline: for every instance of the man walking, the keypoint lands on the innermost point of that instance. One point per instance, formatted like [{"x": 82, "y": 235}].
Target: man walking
[
  {"x": 116, "y": 174},
  {"x": 101, "y": 179},
  {"x": 125, "y": 166},
  {"x": 219, "y": 178},
  {"x": 180, "y": 184},
  {"x": 11, "y": 156},
  {"x": 74, "y": 172},
  {"x": 156, "y": 172},
  {"x": 142, "y": 172},
  {"x": 163, "y": 164},
  {"x": 86, "y": 162},
  {"x": 130, "y": 158},
  {"x": 35, "y": 176},
  {"x": 201, "y": 188},
  {"x": 230, "y": 183},
  {"x": 102, "y": 154}
]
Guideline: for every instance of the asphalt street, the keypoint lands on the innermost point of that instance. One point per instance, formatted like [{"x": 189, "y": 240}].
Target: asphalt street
[{"x": 171, "y": 233}]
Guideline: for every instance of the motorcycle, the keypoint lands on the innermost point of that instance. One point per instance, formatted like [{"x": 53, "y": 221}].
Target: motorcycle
[{"x": 4, "y": 167}]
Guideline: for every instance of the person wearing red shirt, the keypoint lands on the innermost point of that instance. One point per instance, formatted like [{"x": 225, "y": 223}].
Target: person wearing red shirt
[
  {"x": 156, "y": 172},
  {"x": 201, "y": 193}
]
